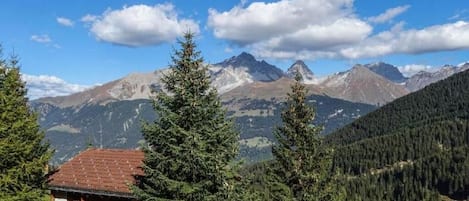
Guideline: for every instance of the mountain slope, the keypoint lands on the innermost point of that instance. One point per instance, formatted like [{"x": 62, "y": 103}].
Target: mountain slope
[
  {"x": 431, "y": 103},
  {"x": 132, "y": 87},
  {"x": 388, "y": 71},
  {"x": 72, "y": 129},
  {"x": 117, "y": 124},
  {"x": 362, "y": 85},
  {"x": 423, "y": 78},
  {"x": 267, "y": 90},
  {"x": 421, "y": 139}
]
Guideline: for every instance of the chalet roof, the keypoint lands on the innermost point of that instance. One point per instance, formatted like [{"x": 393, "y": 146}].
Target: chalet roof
[{"x": 99, "y": 171}]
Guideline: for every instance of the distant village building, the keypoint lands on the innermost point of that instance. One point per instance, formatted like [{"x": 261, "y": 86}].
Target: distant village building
[{"x": 97, "y": 175}]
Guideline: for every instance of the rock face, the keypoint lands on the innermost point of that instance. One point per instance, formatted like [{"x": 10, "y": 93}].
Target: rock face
[
  {"x": 423, "y": 78},
  {"x": 300, "y": 67},
  {"x": 260, "y": 70},
  {"x": 388, "y": 71},
  {"x": 242, "y": 69},
  {"x": 362, "y": 85}
]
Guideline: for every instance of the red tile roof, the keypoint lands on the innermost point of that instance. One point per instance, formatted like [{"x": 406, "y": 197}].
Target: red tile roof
[{"x": 99, "y": 170}]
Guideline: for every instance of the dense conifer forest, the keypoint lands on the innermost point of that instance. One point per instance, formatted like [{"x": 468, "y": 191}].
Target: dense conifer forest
[
  {"x": 411, "y": 149},
  {"x": 415, "y": 148}
]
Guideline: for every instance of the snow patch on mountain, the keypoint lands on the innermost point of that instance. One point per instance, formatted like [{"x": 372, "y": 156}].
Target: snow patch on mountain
[
  {"x": 228, "y": 78},
  {"x": 424, "y": 78},
  {"x": 463, "y": 64},
  {"x": 337, "y": 112}
]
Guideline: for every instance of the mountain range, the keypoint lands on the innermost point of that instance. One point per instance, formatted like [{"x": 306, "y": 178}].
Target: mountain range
[
  {"x": 252, "y": 91},
  {"x": 375, "y": 84}
]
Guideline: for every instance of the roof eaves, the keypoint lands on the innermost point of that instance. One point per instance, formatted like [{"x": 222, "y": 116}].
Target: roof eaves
[{"x": 91, "y": 191}]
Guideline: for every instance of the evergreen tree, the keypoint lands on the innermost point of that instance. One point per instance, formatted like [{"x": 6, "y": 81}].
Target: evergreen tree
[
  {"x": 190, "y": 146},
  {"x": 304, "y": 165},
  {"x": 23, "y": 155}
]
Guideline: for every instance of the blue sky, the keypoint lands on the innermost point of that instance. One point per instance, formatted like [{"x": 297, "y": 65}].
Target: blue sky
[{"x": 66, "y": 46}]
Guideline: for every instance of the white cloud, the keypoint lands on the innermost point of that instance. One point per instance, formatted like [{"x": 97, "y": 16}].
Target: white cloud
[
  {"x": 140, "y": 25},
  {"x": 263, "y": 21},
  {"x": 312, "y": 29},
  {"x": 460, "y": 15},
  {"x": 411, "y": 69},
  {"x": 301, "y": 29},
  {"x": 65, "y": 21},
  {"x": 48, "y": 86},
  {"x": 320, "y": 37},
  {"x": 389, "y": 14},
  {"x": 443, "y": 37},
  {"x": 89, "y": 18},
  {"x": 41, "y": 38}
]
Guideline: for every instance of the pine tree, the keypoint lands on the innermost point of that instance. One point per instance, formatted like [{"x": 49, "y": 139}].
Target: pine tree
[
  {"x": 23, "y": 155},
  {"x": 190, "y": 146},
  {"x": 303, "y": 164}
]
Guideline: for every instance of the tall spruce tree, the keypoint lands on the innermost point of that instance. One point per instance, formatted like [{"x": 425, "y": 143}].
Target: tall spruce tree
[
  {"x": 190, "y": 146},
  {"x": 23, "y": 155},
  {"x": 303, "y": 164}
]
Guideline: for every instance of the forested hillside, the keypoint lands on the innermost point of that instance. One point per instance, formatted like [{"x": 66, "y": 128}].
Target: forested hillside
[{"x": 415, "y": 148}]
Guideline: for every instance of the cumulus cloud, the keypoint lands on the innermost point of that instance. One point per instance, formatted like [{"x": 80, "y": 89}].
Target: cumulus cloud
[
  {"x": 320, "y": 37},
  {"x": 264, "y": 21},
  {"x": 41, "y": 38},
  {"x": 411, "y": 69},
  {"x": 48, "y": 86},
  {"x": 140, "y": 25},
  {"x": 291, "y": 29},
  {"x": 389, "y": 14},
  {"x": 307, "y": 29},
  {"x": 451, "y": 36},
  {"x": 65, "y": 21}
]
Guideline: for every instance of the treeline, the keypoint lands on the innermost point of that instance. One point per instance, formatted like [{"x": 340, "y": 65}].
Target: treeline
[{"x": 444, "y": 100}]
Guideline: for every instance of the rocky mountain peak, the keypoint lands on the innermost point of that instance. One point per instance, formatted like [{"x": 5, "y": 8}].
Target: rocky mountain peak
[
  {"x": 240, "y": 70},
  {"x": 388, "y": 71},
  {"x": 303, "y": 69},
  {"x": 300, "y": 63},
  {"x": 246, "y": 56},
  {"x": 259, "y": 70},
  {"x": 300, "y": 66},
  {"x": 244, "y": 59},
  {"x": 358, "y": 67},
  {"x": 360, "y": 84}
]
